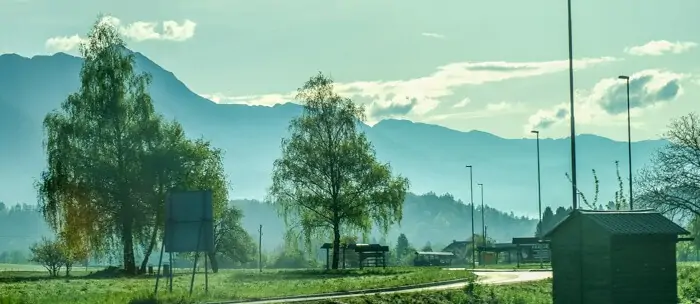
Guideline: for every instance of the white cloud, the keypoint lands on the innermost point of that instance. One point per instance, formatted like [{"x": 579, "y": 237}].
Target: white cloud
[
  {"x": 433, "y": 35},
  {"x": 606, "y": 102},
  {"x": 462, "y": 103},
  {"x": 489, "y": 110},
  {"x": 260, "y": 100},
  {"x": 136, "y": 31},
  {"x": 660, "y": 47},
  {"x": 64, "y": 43},
  {"x": 416, "y": 97}
]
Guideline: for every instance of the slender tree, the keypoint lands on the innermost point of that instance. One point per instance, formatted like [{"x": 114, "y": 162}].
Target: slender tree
[{"x": 328, "y": 178}]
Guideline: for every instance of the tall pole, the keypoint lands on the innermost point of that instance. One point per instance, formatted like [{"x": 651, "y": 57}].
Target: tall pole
[
  {"x": 483, "y": 218},
  {"x": 629, "y": 137},
  {"x": 471, "y": 193},
  {"x": 574, "y": 190},
  {"x": 539, "y": 184},
  {"x": 260, "y": 248}
]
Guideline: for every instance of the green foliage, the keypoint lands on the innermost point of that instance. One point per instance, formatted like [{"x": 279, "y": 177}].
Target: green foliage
[
  {"x": 550, "y": 219},
  {"x": 231, "y": 241},
  {"x": 670, "y": 183},
  {"x": 328, "y": 180},
  {"x": 403, "y": 248},
  {"x": 50, "y": 254},
  {"x": 111, "y": 159}
]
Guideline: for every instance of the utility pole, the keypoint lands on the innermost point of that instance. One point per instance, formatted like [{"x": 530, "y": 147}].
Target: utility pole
[
  {"x": 629, "y": 136},
  {"x": 260, "y": 248},
  {"x": 574, "y": 188},
  {"x": 471, "y": 193},
  {"x": 483, "y": 218}
]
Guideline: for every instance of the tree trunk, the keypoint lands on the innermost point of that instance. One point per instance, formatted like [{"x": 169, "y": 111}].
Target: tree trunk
[
  {"x": 213, "y": 262},
  {"x": 154, "y": 235},
  {"x": 336, "y": 246},
  {"x": 151, "y": 245},
  {"x": 128, "y": 246},
  {"x": 69, "y": 266}
]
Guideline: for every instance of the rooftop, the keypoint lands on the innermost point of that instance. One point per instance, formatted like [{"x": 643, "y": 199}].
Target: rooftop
[{"x": 628, "y": 222}]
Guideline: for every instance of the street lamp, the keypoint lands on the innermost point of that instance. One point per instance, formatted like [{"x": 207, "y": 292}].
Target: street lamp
[
  {"x": 471, "y": 193},
  {"x": 571, "y": 111},
  {"x": 483, "y": 221},
  {"x": 629, "y": 136},
  {"x": 539, "y": 184}
]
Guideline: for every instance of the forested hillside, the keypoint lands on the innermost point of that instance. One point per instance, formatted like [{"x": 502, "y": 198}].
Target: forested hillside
[{"x": 438, "y": 219}]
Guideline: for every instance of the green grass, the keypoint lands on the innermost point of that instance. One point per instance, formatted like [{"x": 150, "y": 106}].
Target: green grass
[
  {"x": 523, "y": 293},
  {"x": 35, "y": 287}
]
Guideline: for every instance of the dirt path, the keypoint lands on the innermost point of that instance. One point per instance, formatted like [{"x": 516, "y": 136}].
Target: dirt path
[{"x": 485, "y": 277}]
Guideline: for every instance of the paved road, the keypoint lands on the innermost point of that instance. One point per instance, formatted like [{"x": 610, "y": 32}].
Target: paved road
[{"x": 485, "y": 277}]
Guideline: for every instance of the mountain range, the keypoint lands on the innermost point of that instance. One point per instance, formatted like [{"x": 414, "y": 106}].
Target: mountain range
[{"x": 431, "y": 156}]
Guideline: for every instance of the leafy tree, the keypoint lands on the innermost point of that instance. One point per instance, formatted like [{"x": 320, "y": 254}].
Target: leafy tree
[
  {"x": 231, "y": 241},
  {"x": 427, "y": 247},
  {"x": 547, "y": 221},
  {"x": 50, "y": 254},
  {"x": 112, "y": 159},
  {"x": 71, "y": 252},
  {"x": 403, "y": 247},
  {"x": 328, "y": 179},
  {"x": 93, "y": 145},
  {"x": 670, "y": 183}
]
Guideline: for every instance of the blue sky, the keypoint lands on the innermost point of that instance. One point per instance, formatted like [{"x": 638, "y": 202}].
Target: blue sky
[{"x": 498, "y": 66}]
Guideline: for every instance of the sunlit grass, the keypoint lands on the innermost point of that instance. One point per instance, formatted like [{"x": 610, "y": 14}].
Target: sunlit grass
[
  {"x": 539, "y": 292},
  {"x": 35, "y": 287}
]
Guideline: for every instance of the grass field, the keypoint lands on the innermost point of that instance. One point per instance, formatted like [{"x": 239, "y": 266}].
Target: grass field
[
  {"x": 524, "y": 293},
  {"x": 31, "y": 286}
]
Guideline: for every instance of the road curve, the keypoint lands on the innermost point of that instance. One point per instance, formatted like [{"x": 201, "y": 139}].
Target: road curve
[{"x": 485, "y": 277}]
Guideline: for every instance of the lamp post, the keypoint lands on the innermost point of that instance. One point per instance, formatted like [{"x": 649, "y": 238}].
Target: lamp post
[
  {"x": 574, "y": 189},
  {"x": 539, "y": 184},
  {"x": 629, "y": 136},
  {"x": 471, "y": 193},
  {"x": 483, "y": 218}
]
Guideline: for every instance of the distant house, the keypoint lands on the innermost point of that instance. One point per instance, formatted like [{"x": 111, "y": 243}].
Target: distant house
[{"x": 460, "y": 249}]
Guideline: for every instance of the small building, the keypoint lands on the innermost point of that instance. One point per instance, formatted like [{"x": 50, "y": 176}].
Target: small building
[
  {"x": 607, "y": 257},
  {"x": 371, "y": 255},
  {"x": 433, "y": 258},
  {"x": 494, "y": 253},
  {"x": 460, "y": 249}
]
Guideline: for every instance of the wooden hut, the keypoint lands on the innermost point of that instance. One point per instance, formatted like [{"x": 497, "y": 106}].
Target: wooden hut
[{"x": 611, "y": 257}]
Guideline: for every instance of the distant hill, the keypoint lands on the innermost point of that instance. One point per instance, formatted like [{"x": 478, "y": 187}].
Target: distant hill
[
  {"x": 438, "y": 219},
  {"x": 432, "y": 157},
  {"x": 426, "y": 218}
]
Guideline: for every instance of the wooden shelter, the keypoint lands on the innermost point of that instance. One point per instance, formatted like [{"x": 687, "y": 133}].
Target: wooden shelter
[
  {"x": 497, "y": 250},
  {"x": 372, "y": 255},
  {"x": 433, "y": 258},
  {"x": 607, "y": 257}
]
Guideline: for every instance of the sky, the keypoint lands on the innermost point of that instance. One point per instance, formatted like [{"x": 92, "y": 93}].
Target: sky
[{"x": 498, "y": 66}]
